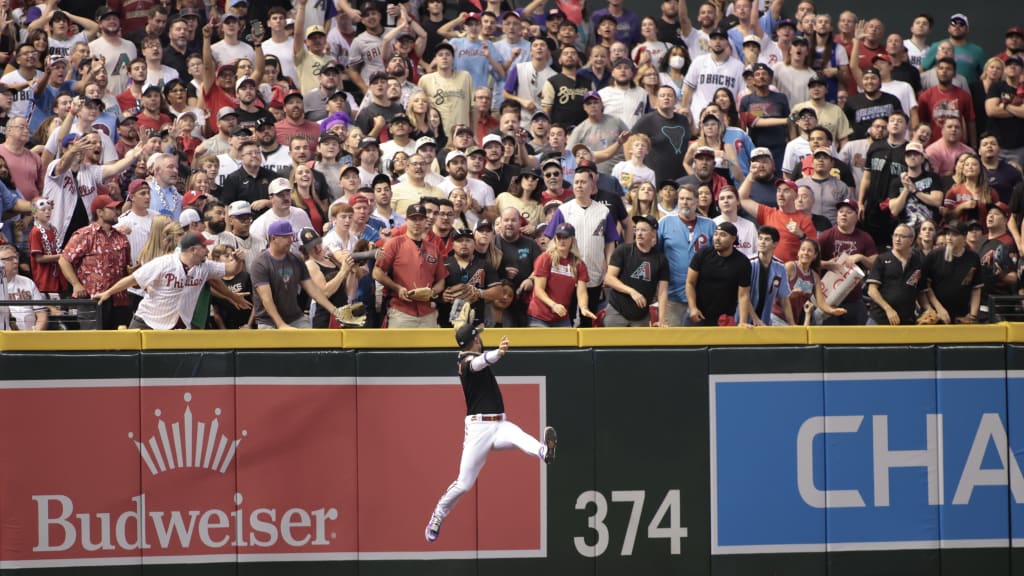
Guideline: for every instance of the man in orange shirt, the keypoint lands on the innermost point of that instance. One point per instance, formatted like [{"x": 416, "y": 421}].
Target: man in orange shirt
[{"x": 792, "y": 224}]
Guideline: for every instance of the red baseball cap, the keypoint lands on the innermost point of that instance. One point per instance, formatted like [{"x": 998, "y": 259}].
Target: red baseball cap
[
  {"x": 103, "y": 201},
  {"x": 191, "y": 197},
  {"x": 787, "y": 183},
  {"x": 358, "y": 199}
]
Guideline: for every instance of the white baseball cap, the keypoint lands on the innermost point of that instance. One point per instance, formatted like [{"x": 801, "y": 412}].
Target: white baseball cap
[
  {"x": 188, "y": 217},
  {"x": 490, "y": 138},
  {"x": 278, "y": 185},
  {"x": 239, "y": 208}
]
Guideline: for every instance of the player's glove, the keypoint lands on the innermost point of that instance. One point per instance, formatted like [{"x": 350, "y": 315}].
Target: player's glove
[
  {"x": 462, "y": 313},
  {"x": 351, "y": 316},
  {"x": 421, "y": 294}
]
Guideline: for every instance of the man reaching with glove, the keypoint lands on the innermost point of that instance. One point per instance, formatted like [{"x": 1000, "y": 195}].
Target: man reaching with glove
[{"x": 413, "y": 273}]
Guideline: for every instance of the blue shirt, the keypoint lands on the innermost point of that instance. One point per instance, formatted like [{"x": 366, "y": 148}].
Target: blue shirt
[
  {"x": 469, "y": 56},
  {"x": 767, "y": 24},
  {"x": 166, "y": 201},
  {"x": 679, "y": 246},
  {"x": 44, "y": 104},
  {"x": 777, "y": 286}
]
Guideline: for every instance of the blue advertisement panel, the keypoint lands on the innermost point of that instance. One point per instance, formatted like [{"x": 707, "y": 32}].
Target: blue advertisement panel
[{"x": 863, "y": 461}]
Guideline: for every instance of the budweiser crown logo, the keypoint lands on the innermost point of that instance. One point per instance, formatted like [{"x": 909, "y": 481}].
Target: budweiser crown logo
[{"x": 189, "y": 449}]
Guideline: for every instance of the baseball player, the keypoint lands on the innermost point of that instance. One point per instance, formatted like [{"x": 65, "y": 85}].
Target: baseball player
[{"x": 486, "y": 426}]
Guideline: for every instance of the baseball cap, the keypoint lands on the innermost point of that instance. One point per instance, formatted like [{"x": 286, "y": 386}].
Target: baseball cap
[
  {"x": 188, "y": 13},
  {"x": 103, "y": 201},
  {"x": 467, "y": 333},
  {"x": 329, "y": 137},
  {"x": 849, "y": 203},
  {"x": 1002, "y": 207},
  {"x": 401, "y": 119},
  {"x": 293, "y": 94},
  {"x": 226, "y": 111},
  {"x": 280, "y": 228},
  {"x": 578, "y": 147},
  {"x": 378, "y": 75},
  {"x": 751, "y": 39},
  {"x": 871, "y": 70},
  {"x": 959, "y": 16},
  {"x": 239, "y": 208},
  {"x": 957, "y": 227},
  {"x": 489, "y": 139},
  {"x": 55, "y": 58},
  {"x": 786, "y": 22},
  {"x": 761, "y": 66},
  {"x": 822, "y": 150},
  {"x": 191, "y": 240},
  {"x": 556, "y": 13},
  {"x": 264, "y": 121},
  {"x": 807, "y": 111},
  {"x": 720, "y": 31},
  {"x": 588, "y": 166},
  {"x": 540, "y": 114},
  {"x": 786, "y": 182},
  {"x": 104, "y": 11},
  {"x": 309, "y": 238},
  {"x": 349, "y": 168},
  {"x": 511, "y": 13},
  {"x": 188, "y": 217},
  {"x": 242, "y": 131},
  {"x": 278, "y": 185},
  {"x": 41, "y": 202},
  {"x": 460, "y": 233},
  {"x": 651, "y": 221},
  {"x": 191, "y": 197},
  {"x": 914, "y": 146},
  {"x": 535, "y": 172},
  {"x": 367, "y": 142},
  {"x": 705, "y": 150},
  {"x": 565, "y": 230},
  {"x": 416, "y": 211},
  {"x": 551, "y": 162},
  {"x": 371, "y": 6},
  {"x": 801, "y": 40},
  {"x": 135, "y": 186},
  {"x": 425, "y": 141},
  {"x": 358, "y": 199},
  {"x": 974, "y": 225},
  {"x": 759, "y": 152},
  {"x": 592, "y": 95},
  {"x": 473, "y": 16},
  {"x": 1014, "y": 60},
  {"x": 1015, "y": 31},
  {"x": 483, "y": 224},
  {"x": 242, "y": 80},
  {"x": 728, "y": 228},
  {"x": 666, "y": 183},
  {"x": 229, "y": 16},
  {"x": 445, "y": 46},
  {"x": 315, "y": 29},
  {"x": 474, "y": 150},
  {"x": 881, "y": 56},
  {"x": 67, "y": 140},
  {"x": 817, "y": 80}
]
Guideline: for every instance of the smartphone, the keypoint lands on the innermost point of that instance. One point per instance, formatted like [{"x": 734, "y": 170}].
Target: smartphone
[{"x": 257, "y": 28}]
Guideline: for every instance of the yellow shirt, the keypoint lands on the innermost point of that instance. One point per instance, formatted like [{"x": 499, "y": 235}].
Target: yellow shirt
[
  {"x": 406, "y": 194},
  {"x": 451, "y": 96}
]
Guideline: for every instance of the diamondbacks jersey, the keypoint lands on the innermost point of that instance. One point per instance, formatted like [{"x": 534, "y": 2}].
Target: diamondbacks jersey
[
  {"x": 706, "y": 76},
  {"x": 628, "y": 105},
  {"x": 594, "y": 229},
  {"x": 527, "y": 82},
  {"x": 171, "y": 290},
  {"x": 480, "y": 388}
]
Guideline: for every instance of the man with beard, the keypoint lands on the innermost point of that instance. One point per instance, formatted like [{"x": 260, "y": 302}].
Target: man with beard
[
  {"x": 970, "y": 58},
  {"x": 714, "y": 70},
  {"x": 165, "y": 198},
  {"x": 952, "y": 279},
  {"x": 315, "y": 101},
  {"x": 295, "y": 121},
  {"x": 248, "y": 112},
  {"x": 96, "y": 256},
  {"x": 414, "y": 187},
  {"x": 376, "y": 114},
  {"x": 25, "y": 166},
  {"x": 467, "y": 274},
  {"x": 231, "y": 160},
  {"x": 481, "y": 195},
  {"x": 870, "y": 103},
  {"x": 365, "y": 54},
  {"x": 999, "y": 256},
  {"x": 637, "y": 276},
  {"x": 885, "y": 163},
  {"x": 937, "y": 103},
  {"x": 1005, "y": 111},
  {"x": 281, "y": 209},
  {"x": 409, "y": 263},
  {"x": 766, "y": 113},
  {"x": 518, "y": 254},
  {"x": 602, "y": 133},
  {"x": 251, "y": 181},
  {"x": 554, "y": 182},
  {"x": 704, "y": 172},
  {"x": 1002, "y": 176},
  {"x": 130, "y": 101},
  {"x": 215, "y": 217},
  {"x": 526, "y": 80},
  {"x": 919, "y": 196},
  {"x": 137, "y": 222},
  {"x": 400, "y": 130},
  {"x": 718, "y": 281},
  {"x": 827, "y": 189},
  {"x": 792, "y": 224},
  {"x": 72, "y": 180},
  {"x": 176, "y": 53},
  {"x": 220, "y": 142},
  {"x": 114, "y": 51},
  {"x": 669, "y": 132},
  {"x": 698, "y": 38},
  {"x": 497, "y": 174},
  {"x": 562, "y": 97},
  {"x": 855, "y": 152},
  {"x": 622, "y": 98},
  {"x": 276, "y": 157},
  {"x": 680, "y": 237}
]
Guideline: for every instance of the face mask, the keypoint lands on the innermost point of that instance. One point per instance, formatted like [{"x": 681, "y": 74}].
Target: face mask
[{"x": 677, "y": 62}]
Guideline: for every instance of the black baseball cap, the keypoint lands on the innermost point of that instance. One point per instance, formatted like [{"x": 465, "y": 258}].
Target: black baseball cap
[
  {"x": 416, "y": 210},
  {"x": 308, "y": 237},
  {"x": 728, "y": 228},
  {"x": 565, "y": 230},
  {"x": 651, "y": 221},
  {"x": 381, "y": 179},
  {"x": 720, "y": 31},
  {"x": 459, "y": 233},
  {"x": 467, "y": 333}
]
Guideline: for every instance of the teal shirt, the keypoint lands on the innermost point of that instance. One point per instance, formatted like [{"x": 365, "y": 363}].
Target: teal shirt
[{"x": 970, "y": 59}]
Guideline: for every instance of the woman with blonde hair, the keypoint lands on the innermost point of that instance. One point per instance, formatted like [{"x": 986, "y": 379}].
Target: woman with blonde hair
[
  {"x": 648, "y": 78},
  {"x": 970, "y": 199},
  {"x": 643, "y": 201},
  {"x": 200, "y": 182},
  {"x": 164, "y": 235},
  {"x": 304, "y": 196},
  {"x": 558, "y": 273},
  {"x": 990, "y": 74},
  {"x": 711, "y": 134},
  {"x": 524, "y": 195}
]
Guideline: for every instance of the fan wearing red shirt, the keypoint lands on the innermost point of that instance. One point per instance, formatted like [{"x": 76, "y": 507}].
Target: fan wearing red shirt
[{"x": 792, "y": 224}]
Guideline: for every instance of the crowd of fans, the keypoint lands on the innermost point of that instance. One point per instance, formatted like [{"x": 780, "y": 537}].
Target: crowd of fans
[{"x": 232, "y": 166}]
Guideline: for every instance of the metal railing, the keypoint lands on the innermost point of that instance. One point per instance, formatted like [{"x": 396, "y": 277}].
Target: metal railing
[{"x": 76, "y": 313}]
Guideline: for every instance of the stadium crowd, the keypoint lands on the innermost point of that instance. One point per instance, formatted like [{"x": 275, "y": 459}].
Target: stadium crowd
[{"x": 235, "y": 166}]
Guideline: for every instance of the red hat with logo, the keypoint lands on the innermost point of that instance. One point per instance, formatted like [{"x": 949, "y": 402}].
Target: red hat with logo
[{"x": 191, "y": 197}]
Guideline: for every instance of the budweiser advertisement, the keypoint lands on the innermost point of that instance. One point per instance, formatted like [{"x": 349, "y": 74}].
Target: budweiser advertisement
[{"x": 116, "y": 472}]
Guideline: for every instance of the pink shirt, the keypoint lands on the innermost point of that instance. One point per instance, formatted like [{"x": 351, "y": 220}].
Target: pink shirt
[
  {"x": 943, "y": 157},
  {"x": 26, "y": 171}
]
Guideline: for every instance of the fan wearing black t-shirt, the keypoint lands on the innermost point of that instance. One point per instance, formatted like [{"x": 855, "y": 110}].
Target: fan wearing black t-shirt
[
  {"x": 718, "y": 281},
  {"x": 637, "y": 274}
]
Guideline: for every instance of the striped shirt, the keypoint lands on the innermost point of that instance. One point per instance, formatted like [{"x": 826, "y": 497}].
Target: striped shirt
[{"x": 171, "y": 290}]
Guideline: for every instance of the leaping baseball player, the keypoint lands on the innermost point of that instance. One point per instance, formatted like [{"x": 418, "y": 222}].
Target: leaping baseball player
[{"x": 486, "y": 425}]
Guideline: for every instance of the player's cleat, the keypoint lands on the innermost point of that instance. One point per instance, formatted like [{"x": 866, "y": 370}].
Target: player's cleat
[
  {"x": 551, "y": 441},
  {"x": 433, "y": 527}
]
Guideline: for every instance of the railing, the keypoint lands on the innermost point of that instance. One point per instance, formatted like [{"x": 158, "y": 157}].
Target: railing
[{"x": 76, "y": 313}]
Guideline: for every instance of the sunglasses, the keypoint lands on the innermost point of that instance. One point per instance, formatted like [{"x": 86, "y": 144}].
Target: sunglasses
[{"x": 552, "y": 174}]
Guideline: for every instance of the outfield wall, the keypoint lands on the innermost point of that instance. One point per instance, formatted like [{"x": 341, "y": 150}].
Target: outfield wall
[{"x": 683, "y": 451}]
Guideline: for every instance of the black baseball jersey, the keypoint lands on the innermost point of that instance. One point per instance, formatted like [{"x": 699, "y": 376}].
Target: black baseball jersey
[
  {"x": 478, "y": 273},
  {"x": 898, "y": 285},
  {"x": 953, "y": 282},
  {"x": 480, "y": 388}
]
